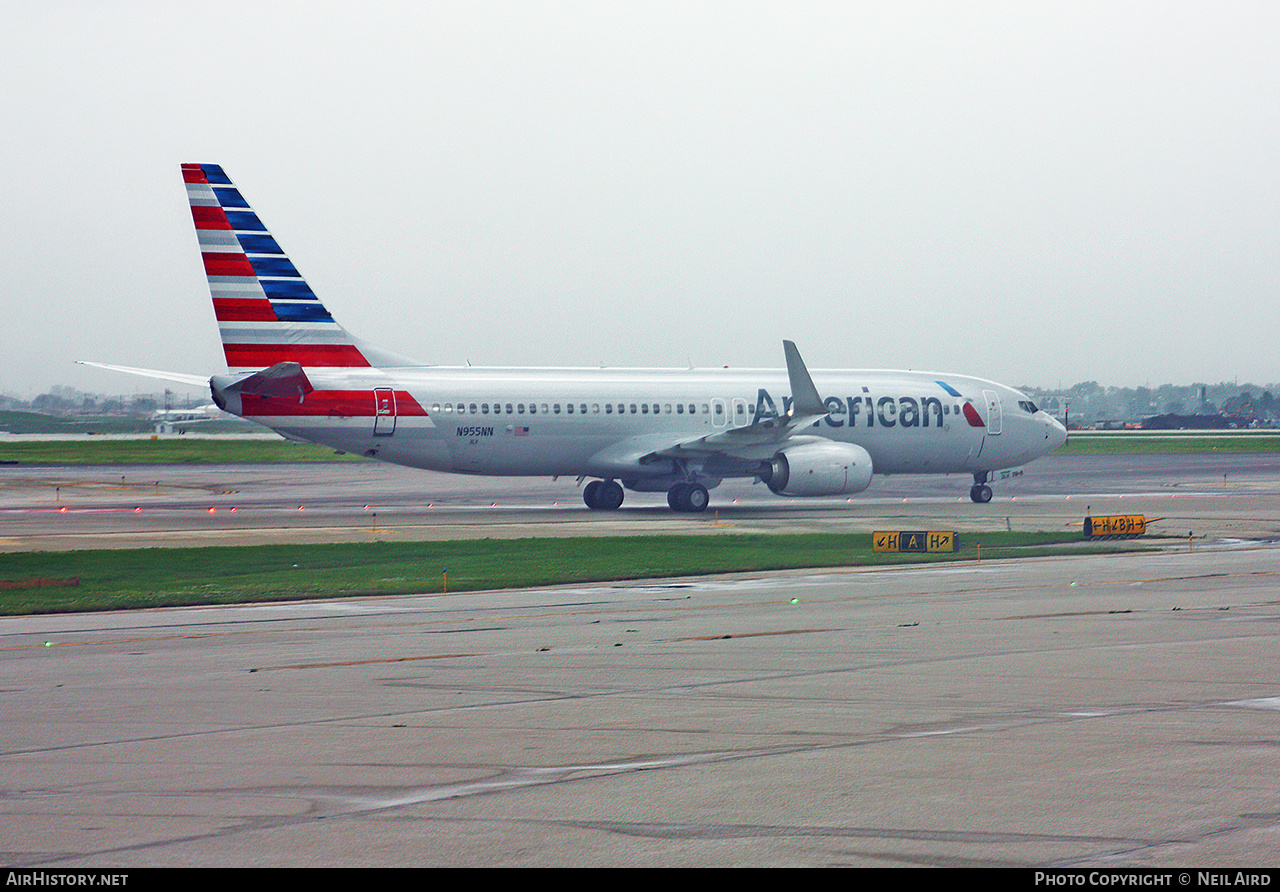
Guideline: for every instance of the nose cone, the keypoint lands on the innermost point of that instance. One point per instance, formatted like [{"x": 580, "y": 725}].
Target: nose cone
[{"x": 1057, "y": 434}]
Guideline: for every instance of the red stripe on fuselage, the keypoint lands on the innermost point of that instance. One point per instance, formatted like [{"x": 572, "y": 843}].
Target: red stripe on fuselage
[
  {"x": 209, "y": 217},
  {"x": 327, "y": 404},
  {"x": 243, "y": 309},
  {"x": 259, "y": 356}
]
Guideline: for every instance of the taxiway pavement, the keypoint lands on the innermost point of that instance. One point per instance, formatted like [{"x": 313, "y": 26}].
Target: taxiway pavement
[
  {"x": 49, "y": 509},
  {"x": 1071, "y": 711},
  {"x": 1062, "y": 712}
]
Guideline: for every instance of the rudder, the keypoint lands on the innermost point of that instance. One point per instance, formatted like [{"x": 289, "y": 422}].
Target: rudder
[{"x": 266, "y": 311}]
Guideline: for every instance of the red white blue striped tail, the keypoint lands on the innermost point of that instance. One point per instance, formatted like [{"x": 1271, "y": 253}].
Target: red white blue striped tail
[{"x": 266, "y": 311}]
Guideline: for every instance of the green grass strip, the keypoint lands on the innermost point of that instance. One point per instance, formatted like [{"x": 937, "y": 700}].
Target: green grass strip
[
  {"x": 167, "y": 451},
  {"x": 1083, "y": 444},
  {"x": 138, "y": 578}
]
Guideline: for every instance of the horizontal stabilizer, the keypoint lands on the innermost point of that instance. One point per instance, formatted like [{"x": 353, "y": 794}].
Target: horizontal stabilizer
[
  {"x": 175, "y": 377},
  {"x": 282, "y": 379}
]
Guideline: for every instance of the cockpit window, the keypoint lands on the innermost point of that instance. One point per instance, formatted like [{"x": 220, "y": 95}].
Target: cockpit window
[{"x": 1028, "y": 407}]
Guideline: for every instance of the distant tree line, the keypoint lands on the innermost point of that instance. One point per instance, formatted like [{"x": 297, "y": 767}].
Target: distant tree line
[
  {"x": 64, "y": 401},
  {"x": 1222, "y": 405}
]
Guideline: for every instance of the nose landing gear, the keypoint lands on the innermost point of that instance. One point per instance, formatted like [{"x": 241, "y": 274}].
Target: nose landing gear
[{"x": 688, "y": 497}]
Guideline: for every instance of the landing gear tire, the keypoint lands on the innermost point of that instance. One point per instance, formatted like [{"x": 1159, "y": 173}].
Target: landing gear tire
[
  {"x": 602, "y": 495},
  {"x": 980, "y": 493},
  {"x": 690, "y": 498},
  {"x": 697, "y": 499},
  {"x": 675, "y": 496}
]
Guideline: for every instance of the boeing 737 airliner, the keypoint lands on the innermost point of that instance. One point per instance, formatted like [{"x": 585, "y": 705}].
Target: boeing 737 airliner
[{"x": 297, "y": 371}]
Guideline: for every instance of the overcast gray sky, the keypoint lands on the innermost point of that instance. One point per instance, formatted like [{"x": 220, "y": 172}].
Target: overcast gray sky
[{"x": 1038, "y": 193}]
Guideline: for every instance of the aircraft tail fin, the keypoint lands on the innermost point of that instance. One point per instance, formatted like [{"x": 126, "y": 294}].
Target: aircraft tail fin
[{"x": 267, "y": 313}]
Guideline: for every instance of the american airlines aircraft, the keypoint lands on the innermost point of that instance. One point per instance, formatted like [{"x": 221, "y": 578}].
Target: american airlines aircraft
[{"x": 297, "y": 371}]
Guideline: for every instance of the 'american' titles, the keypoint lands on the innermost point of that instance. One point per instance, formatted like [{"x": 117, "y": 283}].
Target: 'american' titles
[{"x": 868, "y": 411}]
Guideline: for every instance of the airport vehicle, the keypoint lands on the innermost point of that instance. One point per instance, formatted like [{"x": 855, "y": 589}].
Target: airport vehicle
[
  {"x": 165, "y": 420},
  {"x": 680, "y": 431}
]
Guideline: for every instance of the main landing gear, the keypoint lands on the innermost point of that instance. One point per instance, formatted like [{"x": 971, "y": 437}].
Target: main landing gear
[
  {"x": 602, "y": 495},
  {"x": 980, "y": 492},
  {"x": 690, "y": 498},
  {"x": 606, "y": 495}
]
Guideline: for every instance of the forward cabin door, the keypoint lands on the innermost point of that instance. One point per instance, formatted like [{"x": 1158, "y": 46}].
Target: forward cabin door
[
  {"x": 384, "y": 411},
  {"x": 995, "y": 419}
]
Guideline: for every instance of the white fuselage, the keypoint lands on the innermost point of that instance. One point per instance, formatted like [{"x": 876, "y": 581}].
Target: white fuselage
[{"x": 599, "y": 422}]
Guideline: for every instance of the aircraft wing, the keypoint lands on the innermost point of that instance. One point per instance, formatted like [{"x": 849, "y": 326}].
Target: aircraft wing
[
  {"x": 756, "y": 441},
  {"x": 760, "y": 440}
]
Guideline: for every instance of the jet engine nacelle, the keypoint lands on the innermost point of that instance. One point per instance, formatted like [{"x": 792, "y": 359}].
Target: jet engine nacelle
[{"x": 818, "y": 469}]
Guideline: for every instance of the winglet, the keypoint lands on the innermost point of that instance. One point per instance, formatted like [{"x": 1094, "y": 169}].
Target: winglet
[{"x": 804, "y": 396}]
